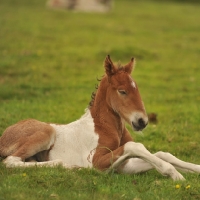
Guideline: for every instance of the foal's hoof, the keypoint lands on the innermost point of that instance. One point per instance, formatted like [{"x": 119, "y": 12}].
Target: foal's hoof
[
  {"x": 12, "y": 161},
  {"x": 178, "y": 177}
]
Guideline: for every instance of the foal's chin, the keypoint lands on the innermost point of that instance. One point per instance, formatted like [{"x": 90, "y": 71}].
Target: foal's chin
[
  {"x": 136, "y": 128},
  {"x": 139, "y": 125}
]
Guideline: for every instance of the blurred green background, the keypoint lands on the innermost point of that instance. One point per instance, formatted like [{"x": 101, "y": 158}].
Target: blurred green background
[{"x": 49, "y": 62}]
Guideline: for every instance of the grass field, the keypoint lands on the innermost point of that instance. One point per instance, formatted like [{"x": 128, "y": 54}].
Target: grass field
[{"x": 49, "y": 62}]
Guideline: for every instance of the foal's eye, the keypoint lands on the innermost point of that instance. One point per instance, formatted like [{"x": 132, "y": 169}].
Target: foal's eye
[{"x": 122, "y": 92}]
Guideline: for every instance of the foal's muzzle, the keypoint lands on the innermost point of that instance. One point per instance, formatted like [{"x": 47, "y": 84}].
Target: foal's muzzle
[{"x": 140, "y": 124}]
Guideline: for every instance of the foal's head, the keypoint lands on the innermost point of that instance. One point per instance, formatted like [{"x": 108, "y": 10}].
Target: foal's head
[{"x": 123, "y": 95}]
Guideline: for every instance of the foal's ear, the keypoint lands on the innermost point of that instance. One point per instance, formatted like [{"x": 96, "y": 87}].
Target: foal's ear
[
  {"x": 109, "y": 66},
  {"x": 130, "y": 66}
]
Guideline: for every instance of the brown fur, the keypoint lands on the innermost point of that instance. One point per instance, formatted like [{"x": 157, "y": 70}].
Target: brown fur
[
  {"x": 29, "y": 137},
  {"x": 108, "y": 122}
]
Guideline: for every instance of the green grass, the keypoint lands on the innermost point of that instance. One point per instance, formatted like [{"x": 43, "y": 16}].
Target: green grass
[{"x": 49, "y": 62}]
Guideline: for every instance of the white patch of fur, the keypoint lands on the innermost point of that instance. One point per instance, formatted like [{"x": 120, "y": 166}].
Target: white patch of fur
[
  {"x": 135, "y": 116},
  {"x": 13, "y": 161},
  {"x": 133, "y": 84},
  {"x": 136, "y": 165},
  {"x": 75, "y": 142}
]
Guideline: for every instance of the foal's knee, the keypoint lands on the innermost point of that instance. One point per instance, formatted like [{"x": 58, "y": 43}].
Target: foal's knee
[{"x": 134, "y": 149}]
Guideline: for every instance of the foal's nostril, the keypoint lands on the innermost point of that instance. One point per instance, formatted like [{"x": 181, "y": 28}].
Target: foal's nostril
[{"x": 141, "y": 123}]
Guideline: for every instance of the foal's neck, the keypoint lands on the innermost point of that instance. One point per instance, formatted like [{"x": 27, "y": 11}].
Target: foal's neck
[{"x": 102, "y": 112}]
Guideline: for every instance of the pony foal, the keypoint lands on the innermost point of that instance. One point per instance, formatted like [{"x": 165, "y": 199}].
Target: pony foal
[{"x": 98, "y": 139}]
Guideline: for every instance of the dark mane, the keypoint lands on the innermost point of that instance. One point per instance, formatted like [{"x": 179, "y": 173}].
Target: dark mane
[
  {"x": 92, "y": 99},
  {"x": 93, "y": 94}
]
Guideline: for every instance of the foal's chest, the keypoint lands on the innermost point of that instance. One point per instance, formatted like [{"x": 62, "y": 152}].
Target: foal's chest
[{"x": 75, "y": 142}]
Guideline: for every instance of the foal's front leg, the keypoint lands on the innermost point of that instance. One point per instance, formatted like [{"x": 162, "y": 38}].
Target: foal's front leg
[
  {"x": 177, "y": 163},
  {"x": 137, "y": 165},
  {"x": 132, "y": 149}
]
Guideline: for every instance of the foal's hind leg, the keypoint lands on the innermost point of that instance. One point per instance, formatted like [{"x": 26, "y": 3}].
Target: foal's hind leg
[
  {"x": 37, "y": 142},
  {"x": 29, "y": 147}
]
